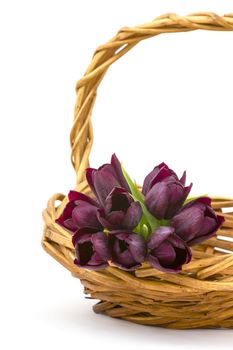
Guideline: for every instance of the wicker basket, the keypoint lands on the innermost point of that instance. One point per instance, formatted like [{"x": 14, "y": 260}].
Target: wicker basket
[{"x": 199, "y": 297}]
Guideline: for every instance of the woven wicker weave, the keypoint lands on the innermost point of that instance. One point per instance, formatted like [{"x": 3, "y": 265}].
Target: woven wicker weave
[{"x": 199, "y": 297}]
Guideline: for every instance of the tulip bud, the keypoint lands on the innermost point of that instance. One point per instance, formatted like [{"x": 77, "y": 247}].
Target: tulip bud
[
  {"x": 91, "y": 249},
  {"x": 120, "y": 211},
  {"x": 167, "y": 252},
  {"x": 105, "y": 178},
  {"x": 128, "y": 249},
  {"x": 157, "y": 174},
  {"x": 164, "y": 192},
  {"x": 80, "y": 211},
  {"x": 197, "y": 221}
]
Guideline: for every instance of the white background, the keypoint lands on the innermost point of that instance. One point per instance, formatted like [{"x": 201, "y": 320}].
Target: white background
[{"x": 169, "y": 99}]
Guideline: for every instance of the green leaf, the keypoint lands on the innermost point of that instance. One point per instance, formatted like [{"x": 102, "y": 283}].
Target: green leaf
[
  {"x": 148, "y": 218},
  {"x": 164, "y": 222},
  {"x": 143, "y": 227},
  {"x": 145, "y": 231},
  {"x": 133, "y": 187},
  {"x": 153, "y": 222}
]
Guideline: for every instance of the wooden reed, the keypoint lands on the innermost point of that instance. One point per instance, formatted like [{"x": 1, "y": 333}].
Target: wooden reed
[{"x": 201, "y": 296}]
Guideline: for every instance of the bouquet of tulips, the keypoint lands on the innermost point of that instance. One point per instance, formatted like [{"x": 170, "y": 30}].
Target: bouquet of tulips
[{"x": 125, "y": 226}]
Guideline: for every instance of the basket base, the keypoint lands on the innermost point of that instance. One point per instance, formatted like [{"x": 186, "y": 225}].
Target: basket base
[
  {"x": 172, "y": 322},
  {"x": 201, "y": 296},
  {"x": 155, "y": 301}
]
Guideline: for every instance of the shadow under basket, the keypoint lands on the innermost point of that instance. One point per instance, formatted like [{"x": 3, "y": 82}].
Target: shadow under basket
[{"x": 201, "y": 296}]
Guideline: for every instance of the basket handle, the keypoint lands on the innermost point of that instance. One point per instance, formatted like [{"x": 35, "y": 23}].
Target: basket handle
[{"x": 81, "y": 136}]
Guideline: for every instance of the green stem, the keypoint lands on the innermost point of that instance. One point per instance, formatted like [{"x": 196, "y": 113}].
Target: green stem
[{"x": 138, "y": 196}]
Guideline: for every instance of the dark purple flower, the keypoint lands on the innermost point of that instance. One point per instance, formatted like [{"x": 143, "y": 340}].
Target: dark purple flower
[
  {"x": 80, "y": 211},
  {"x": 91, "y": 249},
  {"x": 167, "y": 251},
  {"x": 157, "y": 174},
  {"x": 105, "y": 178},
  {"x": 164, "y": 192},
  {"x": 197, "y": 221},
  {"x": 120, "y": 211},
  {"x": 128, "y": 249}
]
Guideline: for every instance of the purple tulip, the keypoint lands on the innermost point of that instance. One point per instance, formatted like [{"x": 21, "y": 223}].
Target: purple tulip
[
  {"x": 80, "y": 211},
  {"x": 164, "y": 192},
  {"x": 197, "y": 221},
  {"x": 105, "y": 178},
  {"x": 167, "y": 251},
  {"x": 157, "y": 174},
  {"x": 128, "y": 249},
  {"x": 120, "y": 211},
  {"x": 91, "y": 249}
]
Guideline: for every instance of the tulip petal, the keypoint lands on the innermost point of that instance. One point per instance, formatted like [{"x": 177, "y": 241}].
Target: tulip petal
[
  {"x": 207, "y": 231},
  {"x": 73, "y": 218},
  {"x": 163, "y": 174},
  {"x": 159, "y": 236},
  {"x": 197, "y": 240},
  {"x": 65, "y": 219},
  {"x": 204, "y": 200},
  {"x": 82, "y": 197},
  {"x": 183, "y": 178},
  {"x": 183, "y": 256},
  {"x": 198, "y": 201},
  {"x": 85, "y": 215},
  {"x": 89, "y": 176},
  {"x": 220, "y": 221},
  {"x": 171, "y": 199},
  {"x": 148, "y": 179},
  {"x": 118, "y": 199},
  {"x": 84, "y": 252},
  {"x": 100, "y": 243},
  {"x": 209, "y": 212},
  {"x": 119, "y": 174},
  {"x": 120, "y": 210},
  {"x": 154, "y": 261},
  {"x": 113, "y": 221},
  {"x": 82, "y": 235},
  {"x": 183, "y": 252},
  {"x": 188, "y": 222},
  {"x": 101, "y": 217},
  {"x": 91, "y": 249},
  {"x": 157, "y": 200},
  {"x": 209, "y": 224},
  {"x": 121, "y": 254},
  {"x": 104, "y": 182},
  {"x": 197, "y": 221},
  {"x": 132, "y": 216},
  {"x": 69, "y": 224},
  {"x": 163, "y": 165},
  {"x": 116, "y": 218},
  {"x": 165, "y": 253},
  {"x": 187, "y": 190},
  {"x": 176, "y": 199},
  {"x": 73, "y": 195},
  {"x": 159, "y": 173},
  {"x": 127, "y": 249},
  {"x": 96, "y": 261},
  {"x": 137, "y": 247},
  {"x": 95, "y": 267},
  {"x": 124, "y": 258}
]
